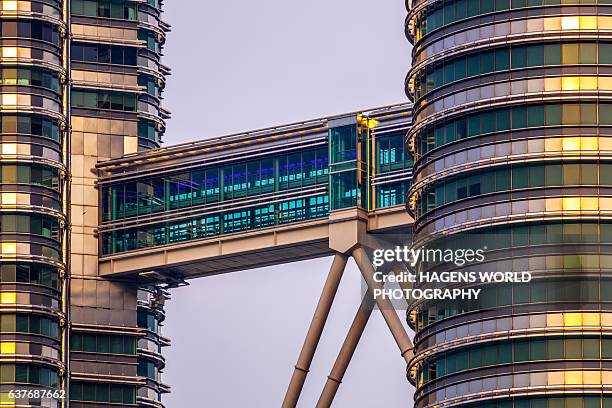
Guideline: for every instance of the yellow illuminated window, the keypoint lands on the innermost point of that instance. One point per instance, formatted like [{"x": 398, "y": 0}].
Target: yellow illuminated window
[
  {"x": 572, "y": 319},
  {"x": 571, "y": 203},
  {"x": 9, "y": 5},
  {"x": 588, "y": 22},
  {"x": 571, "y": 143},
  {"x": 570, "y": 23},
  {"x": 9, "y": 148},
  {"x": 5, "y": 400},
  {"x": 9, "y": 99},
  {"x": 589, "y": 203},
  {"x": 9, "y": 198},
  {"x": 7, "y": 347},
  {"x": 591, "y": 319},
  {"x": 9, "y": 248},
  {"x": 573, "y": 377},
  {"x": 589, "y": 143},
  {"x": 592, "y": 377},
  {"x": 588, "y": 83},
  {"x": 9, "y": 52},
  {"x": 570, "y": 83},
  {"x": 8, "y": 298}
]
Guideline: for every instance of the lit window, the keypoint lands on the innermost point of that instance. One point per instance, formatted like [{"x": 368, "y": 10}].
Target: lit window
[
  {"x": 571, "y": 204},
  {"x": 589, "y": 203},
  {"x": 8, "y": 297},
  {"x": 6, "y": 400},
  {"x": 570, "y": 83},
  {"x": 570, "y": 23},
  {"x": 588, "y": 22},
  {"x": 588, "y": 83},
  {"x": 9, "y": 198},
  {"x": 9, "y": 148},
  {"x": 571, "y": 143},
  {"x": 591, "y": 319},
  {"x": 9, "y": 248},
  {"x": 573, "y": 377},
  {"x": 9, "y": 5},
  {"x": 9, "y": 52},
  {"x": 9, "y": 99},
  {"x": 7, "y": 347},
  {"x": 592, "y": 377},
  {"x": 589, "y": 143},
  {"x": 572, "y": 319}
]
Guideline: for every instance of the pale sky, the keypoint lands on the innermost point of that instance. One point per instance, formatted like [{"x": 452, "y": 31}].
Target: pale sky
[{"x": 240, "y": 65}]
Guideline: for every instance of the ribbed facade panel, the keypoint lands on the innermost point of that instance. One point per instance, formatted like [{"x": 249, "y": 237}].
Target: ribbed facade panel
[
  {"x": 117, "y": 83},
  {"x": 33, "y": 184},
  {"x": 512, "y": 141}
]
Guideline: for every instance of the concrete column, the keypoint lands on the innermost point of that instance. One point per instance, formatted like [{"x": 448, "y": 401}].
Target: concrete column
[
  {"x": 314, "y": 332},
  {"x": 386, "y": 308},
  {"x": 346, "y": 352}
]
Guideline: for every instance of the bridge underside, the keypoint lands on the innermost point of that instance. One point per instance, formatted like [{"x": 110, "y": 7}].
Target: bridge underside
[{"x": 255, "y": 249}]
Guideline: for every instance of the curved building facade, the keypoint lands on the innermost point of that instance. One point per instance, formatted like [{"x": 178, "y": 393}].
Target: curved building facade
[
  {"x": 81, "y": 81},
  {"x": 512, "y": 141},
  {"x": 33, "y": 206}
]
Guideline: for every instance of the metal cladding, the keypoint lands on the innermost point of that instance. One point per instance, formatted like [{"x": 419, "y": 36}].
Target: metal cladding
[
  {"x": 117, "y": 82},
  {"x": 80, "y": 82},
  {"x": 33, "y": 216},
  {"x": 512, "y": 144}
]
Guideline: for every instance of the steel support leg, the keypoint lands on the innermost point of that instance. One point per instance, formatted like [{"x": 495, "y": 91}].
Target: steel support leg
[
  {"x": 386, "y": 308},
  {"x": 314, "y": 332},
  {"x": 347, "y": 351}
]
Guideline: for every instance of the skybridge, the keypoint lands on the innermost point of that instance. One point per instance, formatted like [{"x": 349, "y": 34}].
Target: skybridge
[{"x": 266, "y": 197}]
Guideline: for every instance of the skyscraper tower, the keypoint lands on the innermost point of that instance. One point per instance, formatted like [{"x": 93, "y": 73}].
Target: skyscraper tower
[
  {"x": 117, "y": 81},
  {"x": 512, "y": 144},
  {"x": 34, "y": 220},
  {"x": 81, "y": 82}
]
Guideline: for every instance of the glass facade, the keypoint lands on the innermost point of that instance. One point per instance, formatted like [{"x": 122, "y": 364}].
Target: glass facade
[
  {"x": 515, "y": 57},
  {"x": 511, "y": 154},
  {"x": 348, "y": 175},
  {"x": 82, "y": 83},
  {"x": 448, "y": 12},
  {"x": 214, "y": 223},
  {"x": 33, "y": 181},
  {"x": 392, "y": 176},
  {"x": 355, "y": 167},
  {"x": 215, "y": 185},
  {"x": 117, "y": 82}
]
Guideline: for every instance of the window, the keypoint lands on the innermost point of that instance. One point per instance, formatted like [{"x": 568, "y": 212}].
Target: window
[
  {"x": 515, "y": 118},
  {"x": 103, "y": 344},
  {"x": 147, "y": 129},
  {"x": 150, "y": 38},
  {"x": 34, "y": 29},
  {"x": 150, "y": 84},
  {"x": 513, "y": 177},
  {"x": 29, "y": 374},
  {"x": 36, "y": 224},
  {"x": 118, "y": 394},
  {"x": 118, "y": 9},
  {"x": 103, "y": 54},
  {"x": 36, "y": 274},
  {"x": 104, "y": 100},
  {"x": 506, "y": 352},
  {"x": 502, "y": 59},
  {"x": 552, "y": 54},
  {"x": 147, "y": 369}
]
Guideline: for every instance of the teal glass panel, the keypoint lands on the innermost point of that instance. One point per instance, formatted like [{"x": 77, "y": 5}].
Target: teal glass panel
[
  {"x": 344, "y": 190},
  {"x": 343, "y": 144}
]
